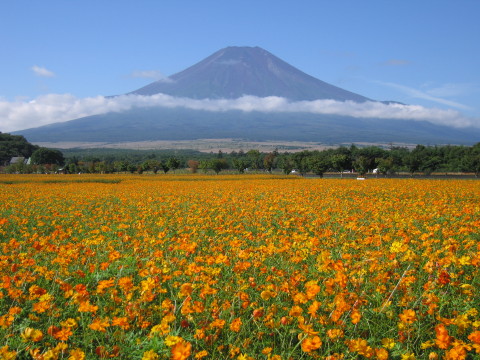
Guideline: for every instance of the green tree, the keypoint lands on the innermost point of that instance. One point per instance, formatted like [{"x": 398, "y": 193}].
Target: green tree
[
  {"x": 164, "y": 166},
  {"x": 151, "y": 165},
  {"x": 430, "y": 164},
  {"x": 47, "y": 156},
  {"x": 204, "y": 165},
  {"x": 240, "y": 164},
  {"x": 14, "y": 145},
  {"x": 415, "y": 159},
  {"x": 269, "y": 161},
  {"x": 319, "y": 163},
  {"x": 301, "y": 162},
  {"x": 361, "y": 164},
  {"x": 386, "y": 166},
  {"x": 120, "y": 166},
  {"x": 173, "y": 163},
  {"x": 255, "y": 159},
  {"x": 340, "y": 162},
  {"x": 471, "y": 160},
  {"x": 286, "y": 164},
  {"x": 218, "y": 165}
]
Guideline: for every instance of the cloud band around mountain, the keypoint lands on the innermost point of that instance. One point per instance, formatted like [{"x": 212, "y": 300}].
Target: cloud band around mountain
[{"x": 52, "y": 108}]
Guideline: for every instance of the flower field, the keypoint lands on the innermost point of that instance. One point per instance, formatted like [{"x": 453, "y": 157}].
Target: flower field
[{"x": 238, "y": 267}]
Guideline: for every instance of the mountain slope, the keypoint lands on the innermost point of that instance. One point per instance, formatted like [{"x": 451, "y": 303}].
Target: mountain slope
[{"x": 236, "y": 71}]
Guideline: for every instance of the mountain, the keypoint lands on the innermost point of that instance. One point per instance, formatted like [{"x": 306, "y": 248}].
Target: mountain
[
  {"x": 145, "y": 124},
  {"x": 236, "y": 71},
  {"x": 231, "y": 73}
]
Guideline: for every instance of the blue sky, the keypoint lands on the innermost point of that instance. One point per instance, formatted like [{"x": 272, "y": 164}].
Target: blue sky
[{"x": 59, "y": 57}]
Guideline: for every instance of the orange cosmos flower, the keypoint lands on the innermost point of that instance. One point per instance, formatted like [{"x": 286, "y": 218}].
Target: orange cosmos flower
[
  {"x": 267, "y": 294},
  {"x": 181, "y": 350},
  {"x": 6, "y": 354},
  {"x": 36, "y": 291},
  {"x": 69, "y": 323},
  {"x": 99, "y": 324},
  {"x": 381, "y": 354},
  {"x": 63, "y": 334},
  {"x": 30, "y": 334},
  {"x": 312, "y": 289},
  {"x": 456, "y": 353},
  {"x": 86, "y": 306},
  {"x": 408, "y": 316},
  {"x": 236, "y": 324},
  {"x": 162, "y": 328},
  {"x": 76, "y": 354},
  {"x": 104, "y": 284},
  {"x": 312, "y": 309},
  {"x": 355, "y": 316},
  {"x": 334, "y": 333},
  {"x": 201, "y": 354},
  {"x": 186, "y": 289},
  {"x": 121, "y": 322},
  {"x": 361, "y": 346},
  {"x": 41, "y": 306},
  {"x": 125, "y": 283},
  {"x": 311, "y": 343},
  {"x": 217, "y": 323},
  {"x": 295, "y": 311},
  {"x": 443, "y": 339}
]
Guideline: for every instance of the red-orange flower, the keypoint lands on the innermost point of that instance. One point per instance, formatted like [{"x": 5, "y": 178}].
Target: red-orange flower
[{"x": 474, "y": 337}]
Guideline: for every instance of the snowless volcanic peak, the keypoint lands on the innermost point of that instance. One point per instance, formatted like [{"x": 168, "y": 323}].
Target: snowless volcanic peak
[{"x": 236, "y": 71}]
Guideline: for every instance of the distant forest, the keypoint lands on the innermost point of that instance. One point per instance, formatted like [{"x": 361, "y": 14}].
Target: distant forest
[{"x": 421, "y": 159}]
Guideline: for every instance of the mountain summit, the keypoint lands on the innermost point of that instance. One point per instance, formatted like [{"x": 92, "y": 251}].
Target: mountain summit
[{"x": 236, "y": 71}]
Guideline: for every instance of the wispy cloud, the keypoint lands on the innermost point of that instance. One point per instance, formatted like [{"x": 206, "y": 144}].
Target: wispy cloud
[
  {"x": 150, "y": 74},
  {"x": 419, "y": 94},
  {"x": 21, "y": 114},
  {"x": 449, "y": 90},
  {"x": 395, "y": 62},
  {"x": 42, "y": 72}
]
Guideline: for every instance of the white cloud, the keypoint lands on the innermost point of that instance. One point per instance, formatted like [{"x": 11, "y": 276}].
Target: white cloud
[
  {"x": 42, "y": 72},
  {"x": 52, "y": 108}
]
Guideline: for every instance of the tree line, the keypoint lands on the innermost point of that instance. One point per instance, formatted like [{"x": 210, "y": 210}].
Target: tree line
[
  {"x": 421, "y": 159},
  {"x": 392, "y": 160}
]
